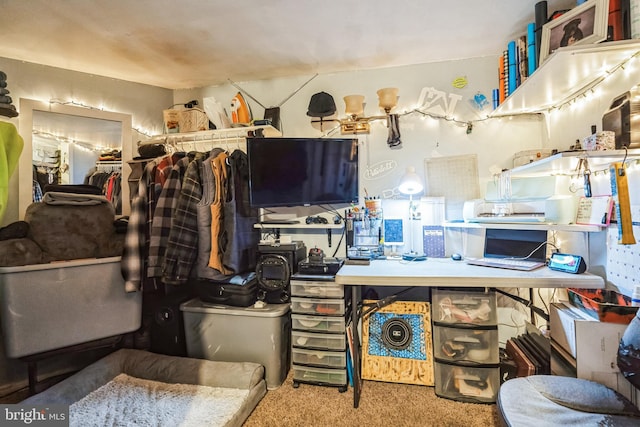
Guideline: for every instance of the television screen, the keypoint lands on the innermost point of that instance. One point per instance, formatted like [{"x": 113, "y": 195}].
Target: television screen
[{"x": 302, "y": 171}]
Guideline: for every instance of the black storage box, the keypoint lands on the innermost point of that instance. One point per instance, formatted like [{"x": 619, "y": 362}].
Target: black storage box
[{"x": 226, "y": 293}]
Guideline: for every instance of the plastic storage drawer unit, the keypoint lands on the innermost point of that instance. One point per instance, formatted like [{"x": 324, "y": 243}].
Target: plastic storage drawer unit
[{"x": 237, "y": 334}]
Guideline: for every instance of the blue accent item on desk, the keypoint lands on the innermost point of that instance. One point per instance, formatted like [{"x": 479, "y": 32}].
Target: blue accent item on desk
[{"x": 531, "y": 47}]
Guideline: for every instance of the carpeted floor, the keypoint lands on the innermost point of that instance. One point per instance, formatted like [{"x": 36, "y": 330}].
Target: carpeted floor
[{"x": 381, "y": 404}]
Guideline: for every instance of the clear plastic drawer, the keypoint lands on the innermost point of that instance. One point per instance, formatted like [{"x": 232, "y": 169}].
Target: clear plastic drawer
[
  {"x": 317, "y": 323},
  {"x": 320, "y": 375},
  {"x": 474, "y": 307},
  {"x": 468, "y": 384},
  {"x": 318, "y": 341},
  {"x": 316, "y": 288},
  {"x": 476, "y": 345},
  {"x": 327, "y": 307},
  {"x": 329, "y": 359}
]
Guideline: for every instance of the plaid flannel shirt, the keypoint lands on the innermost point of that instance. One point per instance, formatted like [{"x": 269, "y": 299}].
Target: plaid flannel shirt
[
  {"x": 182, "y": 246},
  {"x": 163, "y": 215},
  {"x": 134, "y": 251}
]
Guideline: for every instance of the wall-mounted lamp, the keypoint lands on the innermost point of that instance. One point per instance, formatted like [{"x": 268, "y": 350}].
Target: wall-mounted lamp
[{"x": 354, "y": 107}]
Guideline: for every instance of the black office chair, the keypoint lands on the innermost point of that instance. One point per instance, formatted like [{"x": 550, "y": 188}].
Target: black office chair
[{"x": 547, "y": 400}]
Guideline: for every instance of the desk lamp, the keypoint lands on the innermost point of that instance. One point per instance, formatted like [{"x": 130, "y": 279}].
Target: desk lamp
[{"x": 411, "y": 184}]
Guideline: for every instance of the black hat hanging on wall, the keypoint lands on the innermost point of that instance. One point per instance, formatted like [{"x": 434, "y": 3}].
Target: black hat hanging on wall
[
  {"x": 7, "y": 108},
  {"x": 321, "y": 106}
]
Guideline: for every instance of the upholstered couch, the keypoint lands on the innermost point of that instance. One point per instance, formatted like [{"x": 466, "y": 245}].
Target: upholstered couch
[{"x": 144, "y": 365}]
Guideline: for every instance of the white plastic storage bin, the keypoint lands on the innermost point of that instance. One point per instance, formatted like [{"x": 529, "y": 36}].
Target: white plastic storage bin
[
  {"x": 477, "y": 345},
  {"x": 476, "y": 384},
  {"x": 473, "y": 307},
  {"x": 50, "y": 306},
  {"x": 239, "y": 334},
  {"x": 316, "y": 288},
  {"x": 318, "y": 341},
  {"x": 328, "y": 359},
  {"x": 318, "y": 323},
  {"x": 325, "y": 307}
]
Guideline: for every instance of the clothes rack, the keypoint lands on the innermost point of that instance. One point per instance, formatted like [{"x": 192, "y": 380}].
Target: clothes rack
[
  {"x": 203, "y": 140},
  {"x": 109, "y": 165}
]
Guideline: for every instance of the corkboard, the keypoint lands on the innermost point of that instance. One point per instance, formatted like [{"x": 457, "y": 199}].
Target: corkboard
[{"x": 410, "y": 365}]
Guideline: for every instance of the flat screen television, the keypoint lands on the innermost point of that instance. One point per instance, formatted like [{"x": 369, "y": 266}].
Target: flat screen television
[{"x": 302, "y": 171}]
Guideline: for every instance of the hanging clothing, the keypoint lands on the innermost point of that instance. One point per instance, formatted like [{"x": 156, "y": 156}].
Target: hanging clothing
[
  {"x": 239, "y": 239},
  {"x": 203, "y": 271},
  {"x": 11, "y": 145},
  {"x": 163, "y": 214},
  {"x": 182, "y": 245},
  {"x": 219, "y": 167}
]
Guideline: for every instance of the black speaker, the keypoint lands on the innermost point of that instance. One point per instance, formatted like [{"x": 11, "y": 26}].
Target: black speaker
[
  {"x": 276, "y": 264},
  {"x": 167, "y": 326}
]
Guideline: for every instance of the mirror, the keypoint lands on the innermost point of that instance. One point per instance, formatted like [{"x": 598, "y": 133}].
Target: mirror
[{"x": 66, "y": 144}]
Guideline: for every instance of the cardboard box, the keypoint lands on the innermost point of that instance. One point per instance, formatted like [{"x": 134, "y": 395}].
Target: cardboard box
[{"x": 592, "y": 344}]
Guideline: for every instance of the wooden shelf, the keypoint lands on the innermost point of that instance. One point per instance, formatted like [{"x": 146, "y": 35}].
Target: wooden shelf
[{"x": 566, "y": 73}]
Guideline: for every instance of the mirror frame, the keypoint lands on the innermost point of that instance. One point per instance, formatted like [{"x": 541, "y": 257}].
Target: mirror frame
[{"x": 25, "y": 168}]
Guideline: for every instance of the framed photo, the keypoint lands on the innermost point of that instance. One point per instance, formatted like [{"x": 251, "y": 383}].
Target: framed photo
[{"x": 584, "y": 24}]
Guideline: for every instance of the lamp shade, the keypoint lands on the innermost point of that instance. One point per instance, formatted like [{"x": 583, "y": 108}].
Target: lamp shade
[
  {"x": 354, "y": 105},
  {"x": 388, "y": 98},
  {"x": 410, "y": 183}
]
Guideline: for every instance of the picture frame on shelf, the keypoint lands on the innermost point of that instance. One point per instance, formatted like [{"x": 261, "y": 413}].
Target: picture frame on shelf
[{"x": 584, "y": 24}]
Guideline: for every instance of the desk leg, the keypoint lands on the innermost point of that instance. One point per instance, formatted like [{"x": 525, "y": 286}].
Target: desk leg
[{"x": 357, "y": 382}]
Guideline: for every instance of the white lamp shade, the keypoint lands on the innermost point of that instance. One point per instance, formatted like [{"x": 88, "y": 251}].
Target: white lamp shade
[
  {"x": 388, "y": 98},
  {"x": 354, "y": 105},
  {"x": 410, "y": 182}
]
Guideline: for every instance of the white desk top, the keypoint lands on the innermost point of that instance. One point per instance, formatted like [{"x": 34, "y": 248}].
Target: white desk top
[{"x": 446, "y": 272}]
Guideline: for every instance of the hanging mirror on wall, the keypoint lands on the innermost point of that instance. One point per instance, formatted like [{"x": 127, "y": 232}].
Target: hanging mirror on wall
[{"x": 73, "y": 145}]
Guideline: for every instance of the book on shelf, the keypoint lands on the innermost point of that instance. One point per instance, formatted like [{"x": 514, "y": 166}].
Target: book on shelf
[
  {"x": 521, "y": 54},
  {"x": 513, "y": 76},
  {"x": 505, "y": 60},
  {"x": 501, "y": 80},
  {"x": 531, "y": 48}
]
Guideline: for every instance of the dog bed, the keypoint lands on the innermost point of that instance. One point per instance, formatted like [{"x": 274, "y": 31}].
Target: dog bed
[{"x": 136, "y": 386}]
